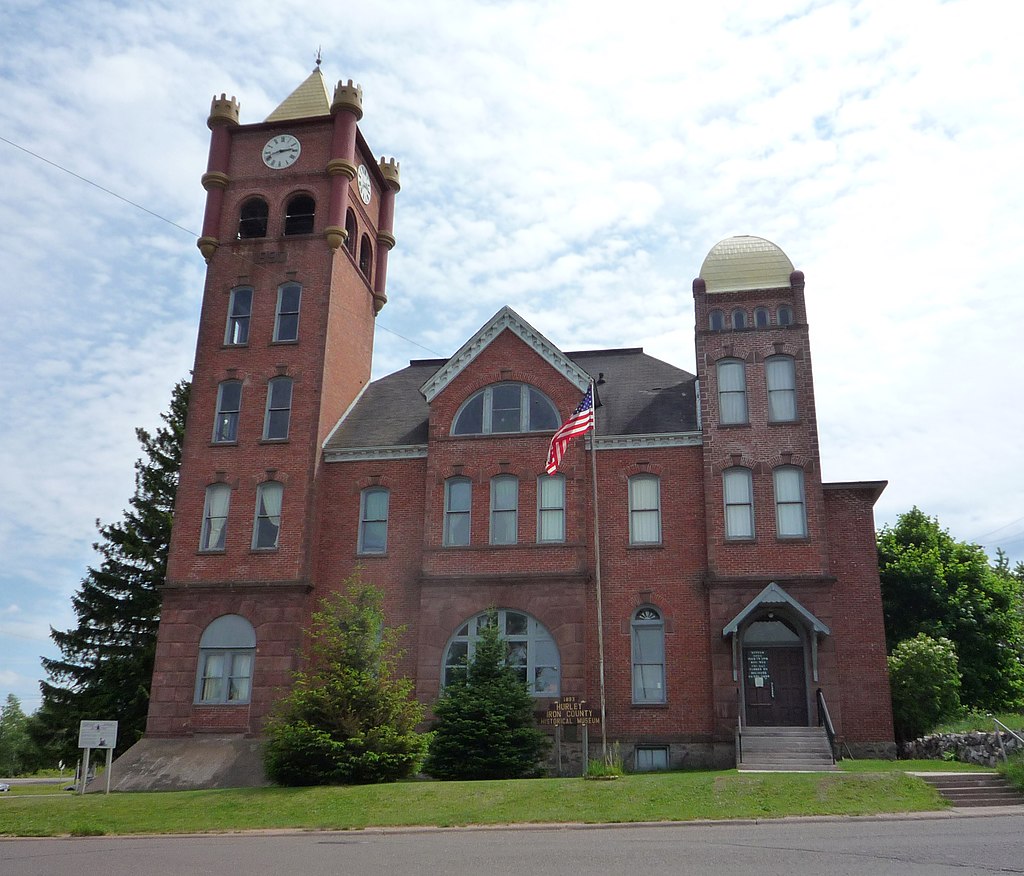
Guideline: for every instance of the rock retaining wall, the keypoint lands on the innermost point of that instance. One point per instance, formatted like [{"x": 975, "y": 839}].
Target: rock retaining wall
[{"x": 976, "y": 747}]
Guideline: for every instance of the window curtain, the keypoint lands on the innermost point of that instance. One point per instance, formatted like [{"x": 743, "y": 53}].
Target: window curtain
[
  {"x": 551, "y": 525},
  {"x": 217, "y": 498},
  {"x": 739, "y": 517},
  {"x": 644, "y": 513},
  {"x": 781, "y": 389},
  {"x": 789, "y": 499},
  {"x": 732, "y": 392}
]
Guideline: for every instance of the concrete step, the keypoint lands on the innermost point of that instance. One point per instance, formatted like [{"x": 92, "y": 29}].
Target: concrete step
[
  {"x": 793, "y": 767},
  {"x": 974, "y": 789},
  {"x": 794, "y": 749}
]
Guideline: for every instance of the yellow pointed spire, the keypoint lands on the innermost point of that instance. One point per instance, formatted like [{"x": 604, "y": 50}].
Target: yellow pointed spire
[{"x": 308, "y": 100}]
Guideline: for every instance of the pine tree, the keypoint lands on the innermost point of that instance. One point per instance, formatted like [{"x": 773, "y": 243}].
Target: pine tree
[
  {"x": 17, "y": 752},
  {"x": 107, "y": 659},
  {"x": 485, "y": 726}
]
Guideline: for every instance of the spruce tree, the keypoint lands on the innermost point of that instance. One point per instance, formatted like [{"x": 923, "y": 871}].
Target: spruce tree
[
  {"x": 485, "y": 727},
  {"x": 106, "y": 662}
]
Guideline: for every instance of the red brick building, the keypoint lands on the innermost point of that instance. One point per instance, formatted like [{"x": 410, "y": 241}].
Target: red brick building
[{"x": 733, "y": 583}]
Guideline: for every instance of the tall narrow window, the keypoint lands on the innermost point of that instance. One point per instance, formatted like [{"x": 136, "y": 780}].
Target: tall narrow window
[
  {"x": 215, "y": 517},
  {"x": 286, "y": 323},
  {"x": 790, "y": 510},
  {"x": 739, "y": 319},
  {"x": 350, "y": 231},
  {"x": 226, "y": 651},
  {"x": 252, "y": 219},
  {"x": 504, "y": 509},
  {"x": 785, "y": 315},
  {"x": 229, "y": 403},
  {"x": 267, "y": 526},
  {"x": 738, "y": 487},
  {"x": 373, "y": 521},
  {"x": 365, "y": 256},
  {"x": 239, "y": 313},
  {"x": 644, "y": 510},
  {"x": 648, "y": 656},
  {"x": 551, "y": 508},
  {"x": 732, "y": 392},
  {"x": 457, "y": 499},
  {"x": 716, "y": 320},
  {"x": 762, "y": 317},
  {"x": 300, "y": 215},
  {"x": 279, "y": 409},
  {"x": 780, "y": 374}
]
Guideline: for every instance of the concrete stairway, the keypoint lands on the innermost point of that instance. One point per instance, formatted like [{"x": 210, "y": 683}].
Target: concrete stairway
[
  {"x": 785, "y": 749},
  {"x": 973, "y": 789}
]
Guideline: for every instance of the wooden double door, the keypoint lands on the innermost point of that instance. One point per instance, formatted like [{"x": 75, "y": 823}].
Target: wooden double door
[{"x": 775, "y": 686}]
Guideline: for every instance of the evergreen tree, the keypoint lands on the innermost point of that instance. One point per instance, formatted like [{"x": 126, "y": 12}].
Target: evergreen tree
[
  {"x": 18, "y": 754},
  {"x": 485, "y": 727},
  {"x": 107, "y": 659},
  {"x": 348, "y": 719},
  {"x": 936, "y": 585}
]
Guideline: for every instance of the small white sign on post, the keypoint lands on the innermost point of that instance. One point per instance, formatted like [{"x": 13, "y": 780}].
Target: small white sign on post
[{"x": 97, "y": 734}]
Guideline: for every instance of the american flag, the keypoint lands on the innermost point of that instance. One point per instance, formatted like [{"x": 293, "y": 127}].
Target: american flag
[{"x": 581, "y": 420}]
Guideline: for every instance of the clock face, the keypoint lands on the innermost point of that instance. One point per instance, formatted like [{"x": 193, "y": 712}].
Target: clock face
[
  {"x": 363, "y": 179},
  {"x": 281, "y": 151}
]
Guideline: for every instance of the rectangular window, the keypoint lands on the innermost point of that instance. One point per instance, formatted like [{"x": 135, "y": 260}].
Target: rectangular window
[
  {"x": 279, "y": 409},
  {"x": 286, "y": 323},
  {"x": 267, "y": 526},
  {"x": 651, "y": 759},
  {"x": 732, "y": 392},
  {"x": 240, "y": 677},
  {"x": 229, "y": 403},
  {"x": 504, "y": 510},
  {"x": 790, "y": 512},
  {"x": 457, "y": 498},
  {"x": 373, "y": 521},
  {"x": 739, "y": 503},
  {"x": 644, "y": 510},
  {"x": 648, "y": 657},
  {"x": 213, "y": 678},
  {"x": 551, "y": 508},
  {"x": 215, "y": 517},
  {"x": 780, "y": 374},
  {"x": 239, "y": 312}
]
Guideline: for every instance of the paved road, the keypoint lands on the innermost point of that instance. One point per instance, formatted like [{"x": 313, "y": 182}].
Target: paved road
[{"x": 918, "y": 846}]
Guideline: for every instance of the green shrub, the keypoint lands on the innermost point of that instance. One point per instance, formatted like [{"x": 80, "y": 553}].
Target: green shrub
[
  {"x": 607, "y": 766},
  {"x": 1013, "y": 770},
  {"x": 925, "y": 682}
]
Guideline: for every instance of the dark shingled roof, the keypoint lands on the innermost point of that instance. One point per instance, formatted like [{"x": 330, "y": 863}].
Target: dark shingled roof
[{"x": 641, "y": 395}]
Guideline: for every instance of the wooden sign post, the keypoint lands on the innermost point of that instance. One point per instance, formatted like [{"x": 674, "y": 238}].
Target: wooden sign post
[{"x": 566, "y": 711}]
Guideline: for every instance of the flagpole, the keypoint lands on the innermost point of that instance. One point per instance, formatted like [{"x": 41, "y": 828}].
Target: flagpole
[{"x": 597, "y": 579}]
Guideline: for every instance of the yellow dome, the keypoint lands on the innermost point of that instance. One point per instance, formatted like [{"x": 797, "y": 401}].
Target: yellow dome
[{"x": 745, "y": 262}]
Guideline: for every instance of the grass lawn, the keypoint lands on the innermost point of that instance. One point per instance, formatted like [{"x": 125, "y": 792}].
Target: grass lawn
[
  {"x": 649, "y": 797},
  {"x": 910, "y": 766},
  {"x": 984, "y": 723}
]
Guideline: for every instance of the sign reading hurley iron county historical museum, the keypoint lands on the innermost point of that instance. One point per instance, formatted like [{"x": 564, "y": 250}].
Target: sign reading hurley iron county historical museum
[{"x": 569, "y": 710}]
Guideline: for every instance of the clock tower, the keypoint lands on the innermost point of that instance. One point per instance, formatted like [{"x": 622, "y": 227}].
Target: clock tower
[{"x": 296, "y": 235}]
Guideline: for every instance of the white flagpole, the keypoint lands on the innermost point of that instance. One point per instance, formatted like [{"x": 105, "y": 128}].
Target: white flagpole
[{"x": 597, "y": 575}]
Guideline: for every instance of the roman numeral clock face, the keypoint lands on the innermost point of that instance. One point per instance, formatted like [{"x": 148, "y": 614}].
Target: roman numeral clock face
[{"x": 281, "y": 151}]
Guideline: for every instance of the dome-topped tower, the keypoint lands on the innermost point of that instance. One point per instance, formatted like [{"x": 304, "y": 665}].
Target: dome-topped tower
[{"x": 737, "y": 264}]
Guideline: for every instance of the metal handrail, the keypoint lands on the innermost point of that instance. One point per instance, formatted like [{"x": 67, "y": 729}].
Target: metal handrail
[
  {"x": 739, "y": 728},
  {"x": 999, "y": 736},
  {"x": 824, "y": 718}
]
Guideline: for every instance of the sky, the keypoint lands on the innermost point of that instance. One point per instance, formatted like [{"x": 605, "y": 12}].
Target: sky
[{"x": 574, "y": 160}]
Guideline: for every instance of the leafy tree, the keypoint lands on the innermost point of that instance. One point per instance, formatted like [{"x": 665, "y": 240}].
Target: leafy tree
[
  {"x": 107, "y": 659},
  {"x": 925, "y": 682},
  {"x": 347, "y": 719},
  {"x": 18, "y": 754},
  {"x": 936, "y": 585},
  {"x": 485, "y": 726}
]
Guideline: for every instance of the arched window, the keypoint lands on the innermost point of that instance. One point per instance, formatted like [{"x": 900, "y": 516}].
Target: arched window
[
  {"x": 551, "y": 508},
  {"x": 785, "y": 315},
  {"x": 252, "y": 219},
  {"x": 506, "y": 407},
  {"x": 532, "y": 651},
  {"x": 738, "y": 489},
  {"x": 762, "y": 317},
  {"x": 365, "y": 256},
  {"x": 716, "y": 320},
  {"x": 739, "y": 319},
  {"x": 229, "y": 403},
  {"x": 299, "y": 215},
  {"x": 351, "y": 231},
  {"x": 504, "y": 509},
  {"x": 286, "y": 320},
  {"x": 648, "y": 656},
  {"x": 458, "y": 496},
  {"x": 790, "y": 510},
  {"x": 226, "y": 652},
  {"x": 267, "y": 525},
  {"x": 780, "y": 376},
  {"x": 279, "y": 409},
  {"x": 644, "y": 509},
  {"x": 373, "y": 520},
  {"x": 239, "y": 314},
  {"x": 732, "y": 392},
  {"x": 215, "y": 517}
]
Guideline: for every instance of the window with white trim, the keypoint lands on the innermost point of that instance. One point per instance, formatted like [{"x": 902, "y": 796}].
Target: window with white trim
[
  {"x": 215, "y": 517},
  {"x": 790, "y": 508},
  {"x": 373, "y": 520},
  {"x": 458, "y": 496},
  {"x": 227, "y": 650},
  {"x": 551, "y": 508},
  {"x": 738, "y": 489},
  {"x": 780, "y": 376},
  {"x": 504, "y": 509},
  {"x": 644, "y": 509},
  {"x": 286, "y": 320},
  {"x": 506, "y": 408},
  {"x": 279, "y": 409},
  {"x": 267, "y": 524},
  {"x": 239, "y": 313},
  {"x": 532, "y": 651},
  {"x": 732, "y": 392},
  {"x": 229, "y": 404},
  {"x": 648, "y": 656}
]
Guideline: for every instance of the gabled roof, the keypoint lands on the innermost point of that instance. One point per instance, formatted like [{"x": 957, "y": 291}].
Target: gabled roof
[
  {"x": 504, "y": 319},
  {"x": 308, "y": 100},
  {"x": 774, "y": 595}
]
